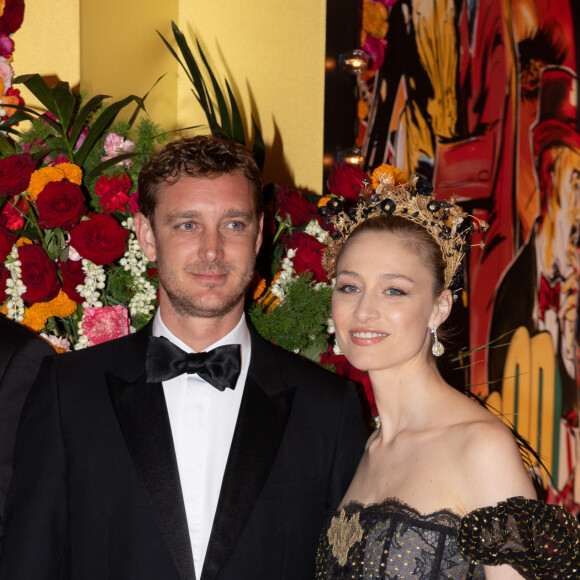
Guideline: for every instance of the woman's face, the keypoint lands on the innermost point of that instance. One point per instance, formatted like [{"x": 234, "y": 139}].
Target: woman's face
[{"x": 383, "y": 304}]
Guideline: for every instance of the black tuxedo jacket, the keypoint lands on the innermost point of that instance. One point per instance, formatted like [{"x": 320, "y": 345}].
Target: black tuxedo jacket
[
  {"x": 21, "y": 352},
  {"x": 96, "y": 491}
]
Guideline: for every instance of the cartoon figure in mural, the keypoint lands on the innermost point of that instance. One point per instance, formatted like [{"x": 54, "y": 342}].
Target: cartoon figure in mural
[
  {"x": 450, "y": 111},
  {"x": 544, "y": 274}
]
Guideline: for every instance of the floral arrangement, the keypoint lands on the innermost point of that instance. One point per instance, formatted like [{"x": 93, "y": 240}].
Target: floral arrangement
[
  {"x": 70, "y": 265},
  {"x": 292, "y": 303}
]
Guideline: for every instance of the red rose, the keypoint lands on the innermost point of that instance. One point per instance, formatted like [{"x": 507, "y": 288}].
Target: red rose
[
  {"x": 99, "y": 239},
  {"x": 13, "y": 214},
  {"x": 15, "y": 172},
  {"x": 60, "y": 205},
  {"x": 38, "y": 274},
  {"x": 72, "y": 275},
  {"x": 289, "y": 201},
  {"x": 7, "y": 239},
  {"x": 11, "y": 18},
  {"x": 346, "y": 180},
  {"x": 341, "y": 365},
  {"x": 113, "y": 191},
  {"x": 308, "y": 255},
  {"x": 134, "y": 203}
]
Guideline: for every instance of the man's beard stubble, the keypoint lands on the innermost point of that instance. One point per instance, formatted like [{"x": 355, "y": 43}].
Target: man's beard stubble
[{"x": 186, "y": 304}]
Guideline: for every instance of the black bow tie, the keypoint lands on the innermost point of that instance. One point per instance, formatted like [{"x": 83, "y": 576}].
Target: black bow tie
[{"x": 220, "y": 367}]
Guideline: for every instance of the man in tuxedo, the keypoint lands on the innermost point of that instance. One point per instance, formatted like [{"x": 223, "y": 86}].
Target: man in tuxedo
[
  {"x": 21, "y": 352},
  {"x": 139, "y": 460}
]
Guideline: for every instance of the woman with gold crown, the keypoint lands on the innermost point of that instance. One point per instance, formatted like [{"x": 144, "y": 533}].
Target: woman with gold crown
[{"x": 441, "y": 491}]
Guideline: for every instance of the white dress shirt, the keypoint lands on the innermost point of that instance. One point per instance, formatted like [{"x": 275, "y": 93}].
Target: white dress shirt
[{"x": 202, "y": 421}]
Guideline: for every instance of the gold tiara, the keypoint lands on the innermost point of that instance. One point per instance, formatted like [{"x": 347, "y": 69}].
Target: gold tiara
[{"x": 413, "y": 200}]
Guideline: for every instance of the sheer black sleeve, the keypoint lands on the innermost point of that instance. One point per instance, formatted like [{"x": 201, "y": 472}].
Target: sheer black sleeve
[{"x": 540, "y": 541}]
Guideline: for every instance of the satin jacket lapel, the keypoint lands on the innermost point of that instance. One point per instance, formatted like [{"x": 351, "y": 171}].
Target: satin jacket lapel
[
  {"x": 262, "y": 420},
  {"x": 143, "y": 418}
]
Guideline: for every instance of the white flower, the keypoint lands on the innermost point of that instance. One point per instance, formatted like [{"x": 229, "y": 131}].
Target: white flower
[
  {"x": 134, "y": 261},
  {"x": 95, "y": 279},
  {"x": 15, "y": 288},
  {"x": 313, "y": 228}
]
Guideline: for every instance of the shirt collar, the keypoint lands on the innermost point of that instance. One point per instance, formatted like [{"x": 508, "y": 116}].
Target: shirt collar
[{"x": 240, "y": 334}]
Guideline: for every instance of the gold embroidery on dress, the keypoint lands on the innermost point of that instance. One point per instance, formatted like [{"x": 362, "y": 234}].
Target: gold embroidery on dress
[{"x": 343, "y": 534}]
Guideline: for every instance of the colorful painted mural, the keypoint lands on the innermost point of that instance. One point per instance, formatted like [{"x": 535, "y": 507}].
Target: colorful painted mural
[{"x": 480, "y": 97}]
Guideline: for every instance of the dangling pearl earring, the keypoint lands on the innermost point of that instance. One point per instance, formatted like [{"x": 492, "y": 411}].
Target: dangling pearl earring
[{"x": 437, "y": 349}]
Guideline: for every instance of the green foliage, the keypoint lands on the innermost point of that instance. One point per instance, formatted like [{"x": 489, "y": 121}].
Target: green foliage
[
  {"x": 223, "y": 121},
  {"x": 299, "y": 321},
  {"x": 68, "y": 117}
]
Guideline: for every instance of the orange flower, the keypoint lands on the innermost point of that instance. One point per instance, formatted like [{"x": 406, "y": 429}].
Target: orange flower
[
  {"x": 9, "y": 100},
  {"x": 273, "y": 305},
  {"x": 38, "y": 314},
  {"x": 388, "y": 174},
  {"x": 362, "y": 109},
  {"x": 41, "y": 177},
  {"x": 22, "y": 242},
  {"x": 374, "y": 19},
  {"x": 259, "y": 289},
  {"x": 324, "y": 200},
  {"x": 72, "y": 172}
]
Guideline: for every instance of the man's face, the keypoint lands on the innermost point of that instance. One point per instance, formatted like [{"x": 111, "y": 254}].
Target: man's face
[{"x": 205, "y": 237}]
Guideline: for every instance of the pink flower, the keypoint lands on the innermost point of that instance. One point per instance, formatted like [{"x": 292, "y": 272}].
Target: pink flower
[
  {"x": 105, "y": 323},
  {"x": 387, "y": 3},
  {"x": 6, "y": 73},
  {"x": 27, "y": 147},
  {"x": 60, "y": 158},
  {"x": 57, "y": 341},
  {"x": 116, "y": 145},
  {"x": 375, "y": 47},
  {"x": 6, "y": 46},
  {"x": 82, "y": 136}
]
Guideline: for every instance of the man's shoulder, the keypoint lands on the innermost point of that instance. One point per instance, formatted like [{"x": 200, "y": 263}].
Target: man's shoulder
[
  {"x": 294, "y": 369},
  {"x": 14, "y": 334},
  {"x": 107, "y": 356}
]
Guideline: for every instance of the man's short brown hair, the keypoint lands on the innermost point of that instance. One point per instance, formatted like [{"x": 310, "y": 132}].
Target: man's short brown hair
[{"x": 203, "y": 156}]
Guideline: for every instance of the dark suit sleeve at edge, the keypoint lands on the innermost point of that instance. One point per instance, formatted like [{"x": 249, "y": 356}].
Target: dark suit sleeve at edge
[
  {"x": 350, "y": 442},
  {"x": 18, "y": 375},
  {"x": 35, "y": 538}
]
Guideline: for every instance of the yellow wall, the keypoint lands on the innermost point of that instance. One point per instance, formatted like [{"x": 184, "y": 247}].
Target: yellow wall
[
  {"x": 272, "y": 51},
  {"x": 122, "y": 54},
  {"x": 48, "y": 42}
]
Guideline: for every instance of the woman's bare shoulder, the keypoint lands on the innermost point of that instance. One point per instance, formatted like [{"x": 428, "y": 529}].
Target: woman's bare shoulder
[{"x": 491, "y": 468}]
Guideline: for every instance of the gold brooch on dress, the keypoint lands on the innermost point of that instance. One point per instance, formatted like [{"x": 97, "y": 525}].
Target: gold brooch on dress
[{"x": 343, "y": 534}]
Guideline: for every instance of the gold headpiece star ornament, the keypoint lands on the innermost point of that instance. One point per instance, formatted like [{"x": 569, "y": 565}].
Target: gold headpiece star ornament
[{"x": 392, "y": 194}]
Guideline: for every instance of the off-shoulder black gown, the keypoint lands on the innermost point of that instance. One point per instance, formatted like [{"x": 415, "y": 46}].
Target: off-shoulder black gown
[{"x": 393, "y": 540}]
